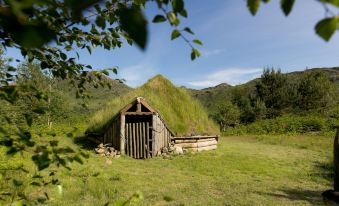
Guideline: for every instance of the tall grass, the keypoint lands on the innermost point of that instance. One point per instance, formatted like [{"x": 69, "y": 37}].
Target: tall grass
[{"x": 183, "y": 114}]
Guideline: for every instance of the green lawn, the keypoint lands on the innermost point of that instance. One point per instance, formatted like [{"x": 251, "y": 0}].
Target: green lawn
[{"x": 291, "y": 170}]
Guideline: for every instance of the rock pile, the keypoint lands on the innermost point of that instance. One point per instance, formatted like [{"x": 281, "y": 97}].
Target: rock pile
[
  {"x": 107, "y": 150},
  {"x": 172, "y": 149}
]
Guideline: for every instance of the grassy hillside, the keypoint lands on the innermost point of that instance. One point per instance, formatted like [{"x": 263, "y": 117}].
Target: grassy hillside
[
  {"x": 183, "y": 114},
  {"x": 211, "y": 96}
]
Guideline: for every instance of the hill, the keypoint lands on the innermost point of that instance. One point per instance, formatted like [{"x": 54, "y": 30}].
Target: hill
[
  {"x": 211, "y": 96},
  {"x": 98, "y": 96},
  {"x": 183, "y": 114}
]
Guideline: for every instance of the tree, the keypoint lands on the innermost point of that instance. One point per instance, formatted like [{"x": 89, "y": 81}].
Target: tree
[
  {"x": 271, "y": 88},
  {"x": 260, "y": 110},
  {"x": 314, "y": 92},
  {"x": 53, "y": 101},
  {"x": 325, "y": 28},
  {"x": 226, "y": 115}
]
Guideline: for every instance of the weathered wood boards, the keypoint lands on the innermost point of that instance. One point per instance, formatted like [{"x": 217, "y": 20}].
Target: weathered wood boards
[
  {"x": 112, "y": 134},
  {"x": 160, "y": 133},
  {"x": 196, "y": 143}
]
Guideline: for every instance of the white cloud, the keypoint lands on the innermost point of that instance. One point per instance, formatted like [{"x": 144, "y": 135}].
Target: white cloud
[
  {"x": 232, "y": 76},
  {"x": 213, "y": 52}
]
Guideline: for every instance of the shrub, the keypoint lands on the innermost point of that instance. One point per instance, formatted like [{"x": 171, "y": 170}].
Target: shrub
[{"x": 288, "y": 124}]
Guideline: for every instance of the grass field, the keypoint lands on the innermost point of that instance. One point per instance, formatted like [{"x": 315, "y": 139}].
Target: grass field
[{"x": 247, "y": 170}]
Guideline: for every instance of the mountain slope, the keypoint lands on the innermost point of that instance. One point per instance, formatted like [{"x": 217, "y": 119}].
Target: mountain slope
[
  {"x": 210, "y": 97},
  {"x": 183, "y": 114}
]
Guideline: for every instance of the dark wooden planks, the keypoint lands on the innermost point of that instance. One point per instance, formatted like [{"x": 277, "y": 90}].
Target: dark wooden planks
[{"x": 147, "y": 140}]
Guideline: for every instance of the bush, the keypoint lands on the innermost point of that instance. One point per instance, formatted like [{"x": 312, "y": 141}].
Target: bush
[{"x": 288, "y": 124}]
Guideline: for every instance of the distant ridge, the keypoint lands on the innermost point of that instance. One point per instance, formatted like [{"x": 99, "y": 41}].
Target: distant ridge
[{"x": 210, "y": 96}]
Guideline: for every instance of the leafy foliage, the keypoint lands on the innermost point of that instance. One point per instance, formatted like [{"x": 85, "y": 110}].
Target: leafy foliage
[
  {"x": 315, "y": 92},
  {"x": 227, "y": 115},
  {"x": 272, "y": 90}
]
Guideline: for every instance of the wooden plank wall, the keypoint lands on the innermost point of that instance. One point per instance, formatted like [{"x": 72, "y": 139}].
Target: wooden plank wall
[
  {"x": 138, "y": 139},
  {"x": 143, "y": 139},
  {"x": 162, "y": 136},
  {"x": 112, "y": 135}
]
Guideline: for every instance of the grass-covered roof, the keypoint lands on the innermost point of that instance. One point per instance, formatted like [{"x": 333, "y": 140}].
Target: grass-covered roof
[{"x": 183, "y": 114}]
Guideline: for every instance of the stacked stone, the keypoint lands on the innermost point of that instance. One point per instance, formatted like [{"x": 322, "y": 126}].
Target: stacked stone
[
  {"x": 172, "y": 149},
  {"x": 107, "y": 150}
]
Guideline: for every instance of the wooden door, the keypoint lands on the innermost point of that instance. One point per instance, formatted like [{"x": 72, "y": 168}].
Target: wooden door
[{"x": 138, "y": 142}]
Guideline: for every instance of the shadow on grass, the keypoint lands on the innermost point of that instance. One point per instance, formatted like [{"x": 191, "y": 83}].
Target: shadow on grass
[
  {"x": 324, "y": 170},
  {"x": 312, "y": 197},
  {"x": 84, "y": 142}
]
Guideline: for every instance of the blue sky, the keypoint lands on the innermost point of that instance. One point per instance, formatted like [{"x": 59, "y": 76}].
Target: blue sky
[{"x": 237, "y": 46}]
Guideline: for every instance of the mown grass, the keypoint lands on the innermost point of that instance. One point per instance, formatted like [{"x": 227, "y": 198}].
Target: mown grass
[
  {"x": 183, "y": 114},
  {"x": 244, "y": 170}
]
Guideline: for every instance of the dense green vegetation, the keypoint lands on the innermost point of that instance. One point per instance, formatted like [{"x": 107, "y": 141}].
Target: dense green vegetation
[
  {"x": 276, "y": 103},
  {"x": 58, "y": 102},
  {"x": 183, "y": 114}
]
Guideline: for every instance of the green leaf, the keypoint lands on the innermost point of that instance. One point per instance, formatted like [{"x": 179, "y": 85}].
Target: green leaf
[
  {"x": 63, "y": 56},
  {"x": 159, "y": 18},
  {"x": 188, "y": 30},
  {"x": 253, "y": 6},
  {"x": 193, "y": 56},
  {"x": 326, "y": 27},
  {"x": 286, "y": 6},
  {"x": 175, "y": 34},
  {"x": 195, "y": 53},
  {"x": 101, "y": 22},
  {"x": 177, "y": 5},
  {"x": 197, "y": 42},
  {"x": 32, "y": 36},
  {"x": 89, "y": 49},
  {"x": 173, "y": 18},
  {"x": 183, "y": 13},
  {"x": 134, "y": 24}
]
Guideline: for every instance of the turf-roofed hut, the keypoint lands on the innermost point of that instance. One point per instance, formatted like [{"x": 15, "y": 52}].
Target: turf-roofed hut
[
  {"x": 137, "y": 130},
  {"x": 158, "y": 113}
]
